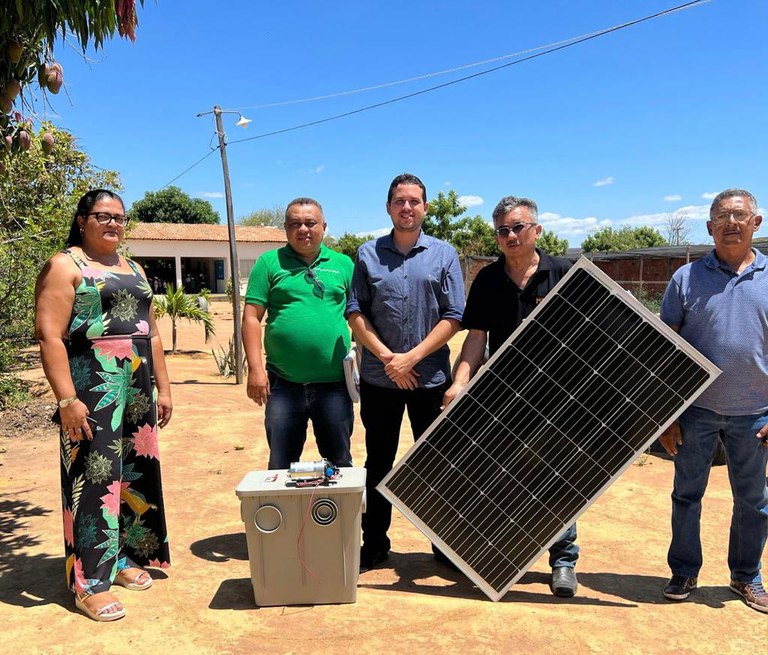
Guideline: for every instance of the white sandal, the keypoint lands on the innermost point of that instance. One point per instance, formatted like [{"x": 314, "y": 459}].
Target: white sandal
[
  {"x": 133, "y": 584},
  {"x": 101, "y": 613}
]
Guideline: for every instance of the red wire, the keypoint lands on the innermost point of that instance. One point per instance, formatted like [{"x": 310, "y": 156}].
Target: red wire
[{"x": 299, "y": 553}]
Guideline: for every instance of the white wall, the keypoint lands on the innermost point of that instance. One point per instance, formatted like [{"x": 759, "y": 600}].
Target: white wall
[{"x": 246, "y": 252}]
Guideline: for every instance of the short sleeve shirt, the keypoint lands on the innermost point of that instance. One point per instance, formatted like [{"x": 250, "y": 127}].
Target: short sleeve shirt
[
  {"x": 404, "y": 297},
  {"x": 724, "y": 315},
  {"x": 306, "y": 336},
  {"x": 497, "y": 305}
]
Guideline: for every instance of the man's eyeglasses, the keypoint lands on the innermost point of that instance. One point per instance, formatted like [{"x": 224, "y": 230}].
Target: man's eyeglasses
[
  {"x": 517, "y": 228},
  {"x": 296, "y": 226},
  {"x": 738, "y": 216},
  {"x": 103, "y": 218},
  {"x": 318, "y": 288}
]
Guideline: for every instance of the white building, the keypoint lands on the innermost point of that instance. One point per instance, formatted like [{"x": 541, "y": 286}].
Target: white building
[{"x": 197, "y": 255}]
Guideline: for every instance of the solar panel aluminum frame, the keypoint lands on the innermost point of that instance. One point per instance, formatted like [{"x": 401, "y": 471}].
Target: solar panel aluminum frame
[{"x": 496, "y": 592}]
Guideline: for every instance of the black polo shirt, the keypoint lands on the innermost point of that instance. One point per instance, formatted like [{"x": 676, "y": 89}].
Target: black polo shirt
[{"x": 497, "y": 305}]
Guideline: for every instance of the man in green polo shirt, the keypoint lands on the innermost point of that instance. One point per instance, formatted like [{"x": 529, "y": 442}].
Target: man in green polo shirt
[{"x": 302, "y": 287}]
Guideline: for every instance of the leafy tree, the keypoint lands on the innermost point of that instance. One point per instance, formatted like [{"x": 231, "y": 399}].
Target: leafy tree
[
  {"x": 274, "y": 216},
  {"x": 29, "y": 29},
  {"x": 626, "y": 238},
  {"x": 446, "y": 220},
  {"x": 172, "y": 205},
  {"x": 549, "y": 242},
  {"x": 176, "y": 304},
  {"x": 443, "y": 216},
  {"x": 348, "y": 243},
  {"x": 476, "y": 238},
  {"x": 38, "y": 196}
]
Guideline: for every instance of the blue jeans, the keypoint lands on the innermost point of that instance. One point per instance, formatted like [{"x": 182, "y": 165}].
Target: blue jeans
[
  {"x": 289, "y": 408},
  {"x": 565, "y": 551},
  {"x": 746, "y": 457}
]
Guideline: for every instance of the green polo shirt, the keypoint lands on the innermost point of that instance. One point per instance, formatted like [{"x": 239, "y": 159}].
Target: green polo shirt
[{"x": 306, "y": 336}]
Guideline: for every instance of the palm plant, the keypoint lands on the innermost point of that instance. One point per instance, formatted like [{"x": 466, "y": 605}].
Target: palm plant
[{"x": 176, "y": 304}]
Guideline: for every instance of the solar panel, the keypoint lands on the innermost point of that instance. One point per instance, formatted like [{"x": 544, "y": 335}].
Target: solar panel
[{"x": 575, "y": 394}]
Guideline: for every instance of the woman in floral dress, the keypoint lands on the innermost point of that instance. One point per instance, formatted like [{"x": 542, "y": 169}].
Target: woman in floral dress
[{"x": 103, "y": 358}]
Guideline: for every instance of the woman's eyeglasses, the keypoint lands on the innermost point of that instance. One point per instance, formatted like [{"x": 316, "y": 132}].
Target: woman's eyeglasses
[
  {"x": 103, "y": 218},
  {"x": 318, "y": 288}
]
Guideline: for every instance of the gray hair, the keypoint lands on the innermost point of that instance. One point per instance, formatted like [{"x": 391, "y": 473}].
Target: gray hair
[
  {"x": 731, "y": 193},
  {"x": 508, "y": 203},
  {"x": 303, "y": 201}
]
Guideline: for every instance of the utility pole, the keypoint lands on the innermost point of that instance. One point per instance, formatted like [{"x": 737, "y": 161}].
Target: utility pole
[{"x": 233, "y": 261}]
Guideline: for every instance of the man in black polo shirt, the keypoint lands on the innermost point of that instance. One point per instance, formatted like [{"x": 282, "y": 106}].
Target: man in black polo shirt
[{"x": 502, "y": 295}]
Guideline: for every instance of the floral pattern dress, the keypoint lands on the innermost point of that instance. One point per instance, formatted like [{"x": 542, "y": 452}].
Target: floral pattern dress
[{"x": 111, "y": 489}]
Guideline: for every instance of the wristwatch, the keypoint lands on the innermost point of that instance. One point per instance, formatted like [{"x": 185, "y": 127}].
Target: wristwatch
[{"x": 66, "y": 402}]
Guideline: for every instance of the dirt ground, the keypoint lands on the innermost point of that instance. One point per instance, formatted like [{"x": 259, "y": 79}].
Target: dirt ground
[{"x": 204, "y": 603}]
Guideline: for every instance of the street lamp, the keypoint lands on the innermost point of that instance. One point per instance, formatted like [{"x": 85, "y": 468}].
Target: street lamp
[{"x": 233, "y": 261}]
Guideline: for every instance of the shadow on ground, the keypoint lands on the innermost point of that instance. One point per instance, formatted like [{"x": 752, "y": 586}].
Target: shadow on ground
[
  {"x": 27, "y": 580},
  {"x": 647, "y": 589},
  {"x": 221, "y": 548},
  {"x": 416, "y": 572},
  {"x": 233, "y": 594}
]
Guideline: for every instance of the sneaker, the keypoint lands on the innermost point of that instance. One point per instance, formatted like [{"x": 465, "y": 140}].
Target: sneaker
[
  {"x": 371, "y": 558},
  {"x": 753, "y": 593},
  {"x": 679, "y": 587},
  {"x": 564, "y": 582}
]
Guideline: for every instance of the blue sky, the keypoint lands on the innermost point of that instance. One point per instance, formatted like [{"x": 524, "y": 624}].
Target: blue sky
[{"x": 622, "y": 129}]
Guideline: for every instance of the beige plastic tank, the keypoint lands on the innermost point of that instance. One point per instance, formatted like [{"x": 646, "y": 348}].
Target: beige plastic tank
[{"x": 303, "y": 541}]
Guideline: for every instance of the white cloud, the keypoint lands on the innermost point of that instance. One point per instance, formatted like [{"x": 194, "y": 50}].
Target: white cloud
[
  {"x": 709, "y": 195},
  {"x": 568, "y": 227},
  {"x": 673, "y": 197},
  {"x": 447, "y": 183},
  {"x": 315, "y": 171},
  {"x": 471, "y": 201},
  {"x": 605, "y": 181},
  {"x": 210, "y": 194},
  {"x": 577, "y": 229}
]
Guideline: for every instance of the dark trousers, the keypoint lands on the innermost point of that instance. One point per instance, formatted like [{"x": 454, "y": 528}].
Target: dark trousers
[
  {"x": 289, "y": 409},
  {"x": 381, "y": 411}
]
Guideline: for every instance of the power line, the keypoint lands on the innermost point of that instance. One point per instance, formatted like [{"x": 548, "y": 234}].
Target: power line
[
  {"x": 561, "y": 45},
  {"x": 199, "y": 161},
  {"x": 385, "y": 85},
  {"x": 437, "y": 73},
  {"x": 577, "y": 41}
]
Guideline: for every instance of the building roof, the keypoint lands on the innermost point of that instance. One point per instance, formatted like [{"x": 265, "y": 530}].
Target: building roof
[
  {"x": 203, "y": 232},
  {"x": 661, "y": 252}
]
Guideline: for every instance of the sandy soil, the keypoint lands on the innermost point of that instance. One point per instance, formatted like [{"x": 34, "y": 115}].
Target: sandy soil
[{"x": 204, "y": 603}]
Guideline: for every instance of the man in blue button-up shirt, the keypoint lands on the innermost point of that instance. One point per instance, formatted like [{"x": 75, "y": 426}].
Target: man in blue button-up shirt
[{"x": 406, "y": 302}]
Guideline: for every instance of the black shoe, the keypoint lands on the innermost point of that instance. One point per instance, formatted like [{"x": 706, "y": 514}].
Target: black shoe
[
  {"x": 564, "y": 582},
  {"x": 370, "y": 558},
  {"x": 441, "y": 557},
  {"x": 679, "y": 587}
]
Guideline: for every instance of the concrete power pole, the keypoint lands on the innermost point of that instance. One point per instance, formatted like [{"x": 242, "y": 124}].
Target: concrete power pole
[{"x": 234, "y": 262}]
